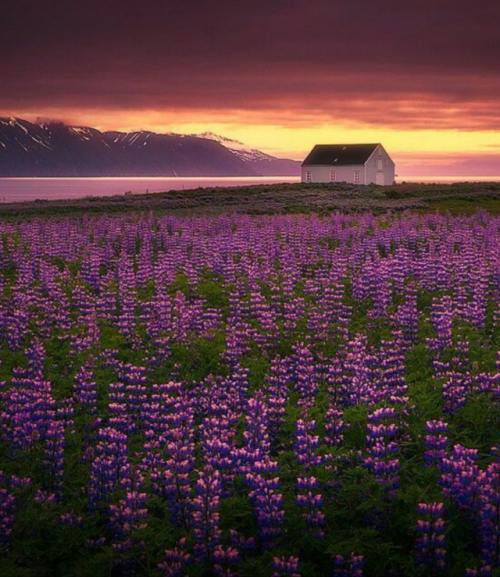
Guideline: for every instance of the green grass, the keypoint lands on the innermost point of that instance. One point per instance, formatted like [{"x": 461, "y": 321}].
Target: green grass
[
  {"x": 284, "y": 198},
  {"x": 465, "y": 207}
]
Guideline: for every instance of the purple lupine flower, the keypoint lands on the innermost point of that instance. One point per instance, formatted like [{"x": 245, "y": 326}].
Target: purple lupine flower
[
  {"x": 36, "y": 359},
  {"x": 304, "y": 375},
  {"x": 127, "y": 399},
  {"x": 268, "y": 504},
  {"x": 283, "y": 566},
  {"x": 310, "y": 499},
  {"x": 175, "y": 561},
  {"x": 306, "y": 444},
  {"x": 223, "y": 561},
  {"x": 460, "y": 477},
  {"x": 28, "y": 409},
  {"x": 391, "y": 360},
  {"x": 54, "y": 454},
  {"x": 382, "y": 448},
  {"x": 70, "y": 519},
  {"x": 456, "y": 389},
  {"x": 357, "y": 374},
  {"x": 85, "y": 389},
  {"x": 19, "y": 482},
  {"x": 125, "y": 520},
  {"x": 348, "y": 566},
  {"x": 484, "y": 571},
  {"x": 436, "y": 442},
  {"x": 7, "y": 517},
  {"x": 257, "y": 445},
  {"x": 334, "y": 427},
  {"x": 111, "y": 468},
  {"x": 277, "y": 391},
  {"x": 205, "y": 512},
  {"x": 489, "y": 515},
  {"x": 241, "y": 543},
  {"x": 431, "y": 542},
  {"x": 175, "y": 477},
  {"x": 407, "y": 315},
  {"x": 287, "y": 280},
  {"x": 45, "y": 498},
  {"x": 442, "y": 321}
]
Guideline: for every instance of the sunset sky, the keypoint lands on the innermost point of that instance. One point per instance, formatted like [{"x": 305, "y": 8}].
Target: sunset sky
[{"x": 422, "y": 77}]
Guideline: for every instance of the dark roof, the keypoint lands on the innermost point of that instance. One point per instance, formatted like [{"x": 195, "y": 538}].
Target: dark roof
[{"x": 340, "y": 154}]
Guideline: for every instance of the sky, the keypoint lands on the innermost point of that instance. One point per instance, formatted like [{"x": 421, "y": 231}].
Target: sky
[{"x": 420, "y": 76}]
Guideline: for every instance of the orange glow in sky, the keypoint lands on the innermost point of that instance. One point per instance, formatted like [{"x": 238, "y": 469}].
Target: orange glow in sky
[
  {"x": 417, "y": 151},
  {"x": 280, "y": 76}
]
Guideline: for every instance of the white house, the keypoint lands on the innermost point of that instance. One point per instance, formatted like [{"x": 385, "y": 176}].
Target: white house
[{"x": 353, "y": 163}]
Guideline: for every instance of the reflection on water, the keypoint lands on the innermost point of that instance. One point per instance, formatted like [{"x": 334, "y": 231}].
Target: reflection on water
[{"x": 16, "y": 189}]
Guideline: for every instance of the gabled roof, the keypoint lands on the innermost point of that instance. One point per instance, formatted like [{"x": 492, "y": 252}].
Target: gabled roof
[{"x": 340, "y": 154}]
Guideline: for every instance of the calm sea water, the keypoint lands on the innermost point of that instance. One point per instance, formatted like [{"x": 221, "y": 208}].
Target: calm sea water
[
  {"x": 20, "y": 189},
  {"x": 17, "y": 189}
]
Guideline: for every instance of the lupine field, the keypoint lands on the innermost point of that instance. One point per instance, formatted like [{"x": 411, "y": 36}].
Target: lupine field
[{"x": 250, "y": 395}]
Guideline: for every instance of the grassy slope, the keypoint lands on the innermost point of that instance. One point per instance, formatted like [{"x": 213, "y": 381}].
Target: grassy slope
[{"x": 281, "y": 198}]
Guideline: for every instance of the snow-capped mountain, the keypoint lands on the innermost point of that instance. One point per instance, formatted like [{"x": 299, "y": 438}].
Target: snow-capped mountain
[
  {"x": 56, "y": 149},
  {"x": 236, "y": 147},
  {"x": 263, "y": 163}
]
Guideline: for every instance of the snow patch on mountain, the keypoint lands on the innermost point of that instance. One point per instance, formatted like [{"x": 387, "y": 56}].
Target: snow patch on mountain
[
  {"x": 236, "y": 147},
  {"x": 52, "y": 148}
]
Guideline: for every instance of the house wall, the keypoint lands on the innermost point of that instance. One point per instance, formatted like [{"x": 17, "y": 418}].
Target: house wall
[
  {"x": 321, "y": 173},
  {"x": 379, "y": 162},
  {"x": 372, "y": 166}
]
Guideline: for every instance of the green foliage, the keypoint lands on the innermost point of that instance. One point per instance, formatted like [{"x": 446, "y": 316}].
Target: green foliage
[{"x": 285, "y": 198}]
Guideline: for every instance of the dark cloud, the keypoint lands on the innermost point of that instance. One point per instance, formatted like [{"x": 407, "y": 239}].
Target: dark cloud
[{"x": 396, "y": 62}]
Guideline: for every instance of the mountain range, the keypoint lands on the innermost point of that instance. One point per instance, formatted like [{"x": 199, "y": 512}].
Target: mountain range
[{"x": 55, "y": 149}]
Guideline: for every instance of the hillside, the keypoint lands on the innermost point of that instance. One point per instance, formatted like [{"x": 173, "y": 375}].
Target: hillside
[
  {"x": 283, "y": 198},
  {"x": 263, "y": 164},
  {"x": 55, "y": 149}
]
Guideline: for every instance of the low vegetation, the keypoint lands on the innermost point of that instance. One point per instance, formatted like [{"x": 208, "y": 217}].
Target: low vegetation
[
  {"x": 280, "y": 199},
  {"x": 234, "y": 395}
]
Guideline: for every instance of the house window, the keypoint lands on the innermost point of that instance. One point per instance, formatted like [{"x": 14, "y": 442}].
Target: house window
[
  {"x": 357, "y": 176},
  {"x": 308, "y": 176},
  {"x": 380, "y": 163},
  {"x": 333, "y": 176}
]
